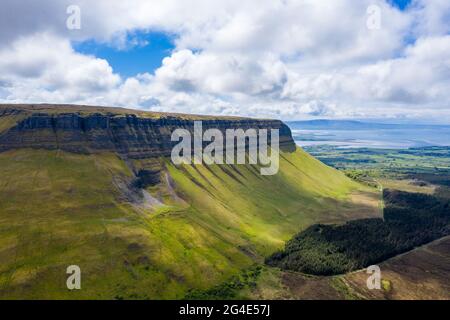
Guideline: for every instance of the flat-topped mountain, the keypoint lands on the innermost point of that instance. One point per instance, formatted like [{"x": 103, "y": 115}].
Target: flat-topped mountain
[
  {"x": 136, "y": 134},
  {"x": 93, "y": 187},
  {"x": 87, "y": 110}
]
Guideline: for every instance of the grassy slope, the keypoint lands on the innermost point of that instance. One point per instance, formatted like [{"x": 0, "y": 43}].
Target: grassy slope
[
  {"x": 90, "y": 110},
  {"x": 58, "y": 209},
  {"x": 7, "y": 122},
  {"x": 421, "y": 274}
]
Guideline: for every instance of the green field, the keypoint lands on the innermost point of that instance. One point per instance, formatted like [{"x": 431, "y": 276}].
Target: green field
[{"x": 386, "y": 162}]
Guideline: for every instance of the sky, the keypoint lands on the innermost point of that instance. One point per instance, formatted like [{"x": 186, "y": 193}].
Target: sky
[{"x": 285, "y": 59}]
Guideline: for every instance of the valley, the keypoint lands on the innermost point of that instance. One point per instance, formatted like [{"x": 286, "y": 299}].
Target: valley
[{"x": 420, "y": 273}]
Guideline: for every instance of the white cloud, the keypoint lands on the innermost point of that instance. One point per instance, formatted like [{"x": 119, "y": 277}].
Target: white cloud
[
  {"x": 432, "y": 17},
  {"x": 46, "y": 67},
  {"x": 285, "y": 59}
]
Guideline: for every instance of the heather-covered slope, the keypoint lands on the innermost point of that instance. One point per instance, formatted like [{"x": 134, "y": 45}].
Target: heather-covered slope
[{"x": 193, "y": 226}]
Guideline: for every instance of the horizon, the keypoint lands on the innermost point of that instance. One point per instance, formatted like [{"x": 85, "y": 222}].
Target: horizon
[
  {"x": 286, "y": 60},
  {"x": 359, "y": 120},
  {"x": 375, "y": 121}
]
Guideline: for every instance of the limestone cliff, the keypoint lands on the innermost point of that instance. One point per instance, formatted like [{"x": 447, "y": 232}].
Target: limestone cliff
[{"x": 131, "y": 133}]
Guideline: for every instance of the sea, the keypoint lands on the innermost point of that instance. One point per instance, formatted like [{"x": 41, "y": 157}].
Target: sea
[{"x": 361, "y": 135}]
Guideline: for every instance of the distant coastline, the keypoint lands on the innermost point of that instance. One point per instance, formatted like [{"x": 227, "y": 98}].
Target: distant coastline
[{"x": 357, "y": 134}]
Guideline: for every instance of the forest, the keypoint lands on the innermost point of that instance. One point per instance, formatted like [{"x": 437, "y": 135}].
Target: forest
[{"x": 410, "y": 220}]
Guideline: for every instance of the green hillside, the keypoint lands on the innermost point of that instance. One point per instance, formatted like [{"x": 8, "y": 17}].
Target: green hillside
[
  {"x": 6, "y": 122},
  {"x": 198, "y": 227}
]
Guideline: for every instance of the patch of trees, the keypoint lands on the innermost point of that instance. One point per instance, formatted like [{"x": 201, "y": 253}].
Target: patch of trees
[
  {"x": 229, "y": 289},
  {"x": 410, "y": 220},
  {"x": 362, "y": 176},
  {"x": 442, "y": 178}
]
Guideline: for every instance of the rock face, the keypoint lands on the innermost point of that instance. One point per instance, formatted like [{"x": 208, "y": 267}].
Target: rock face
[{"x": 125, "y": 132}]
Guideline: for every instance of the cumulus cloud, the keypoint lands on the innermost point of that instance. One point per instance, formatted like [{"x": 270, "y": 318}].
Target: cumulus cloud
[
  {"x": 286, "y": 59},
  {"x": 432, "y": 17},
  {"x": 46, "y": 67}
]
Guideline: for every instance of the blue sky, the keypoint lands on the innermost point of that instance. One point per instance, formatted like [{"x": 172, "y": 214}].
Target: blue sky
[
  {"x": 145, "y": 56},
  {"x": 402, "y": 4}
]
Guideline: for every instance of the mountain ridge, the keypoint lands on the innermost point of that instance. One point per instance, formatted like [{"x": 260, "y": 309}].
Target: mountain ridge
[{"x": 132, "y": 133}]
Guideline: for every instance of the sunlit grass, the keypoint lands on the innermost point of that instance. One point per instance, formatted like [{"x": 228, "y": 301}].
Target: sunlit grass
[{"x": 58, "y": 209}]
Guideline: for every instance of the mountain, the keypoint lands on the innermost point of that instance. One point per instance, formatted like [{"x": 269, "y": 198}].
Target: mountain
[
  {"x": 129, "y": 133},
  {"x": 95, "y": 187},
  {"x": 323, "y": 124}
]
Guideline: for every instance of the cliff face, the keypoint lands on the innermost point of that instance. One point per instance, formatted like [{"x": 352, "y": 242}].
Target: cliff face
[{"x": 125, "y": 132}]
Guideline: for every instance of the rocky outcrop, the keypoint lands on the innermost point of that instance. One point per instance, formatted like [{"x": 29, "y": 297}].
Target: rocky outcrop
[{"x": 125, "y": 133}]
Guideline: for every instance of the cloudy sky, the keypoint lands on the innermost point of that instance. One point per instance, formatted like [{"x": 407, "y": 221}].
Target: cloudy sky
[{"x": 287, "y": 59}]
